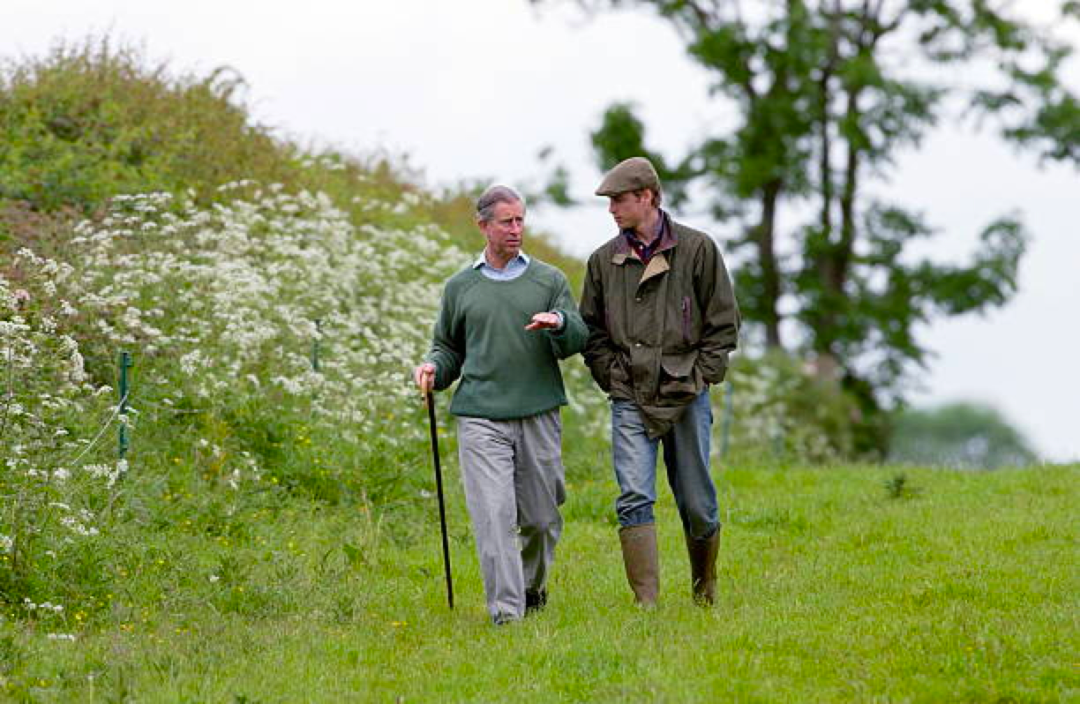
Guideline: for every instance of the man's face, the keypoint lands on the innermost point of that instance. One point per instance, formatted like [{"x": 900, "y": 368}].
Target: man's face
[
  {"x": 629, "y": 209},
  {"x": 505, "y": 230}
]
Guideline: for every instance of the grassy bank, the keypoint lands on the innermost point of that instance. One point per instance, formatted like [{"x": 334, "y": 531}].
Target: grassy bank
[{"x": 839, "y": 584}]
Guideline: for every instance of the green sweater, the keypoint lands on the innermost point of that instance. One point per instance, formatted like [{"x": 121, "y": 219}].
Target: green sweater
[{"x": 506, "y": 371}]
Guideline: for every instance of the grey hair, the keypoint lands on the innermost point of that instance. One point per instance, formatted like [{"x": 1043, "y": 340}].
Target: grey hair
[{"x": 485, "y": 204}]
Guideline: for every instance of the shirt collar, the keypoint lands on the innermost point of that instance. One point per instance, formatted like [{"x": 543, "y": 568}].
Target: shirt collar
[
  {"x": 481, "y": 261},
  {"x": 665, "y": 240}
]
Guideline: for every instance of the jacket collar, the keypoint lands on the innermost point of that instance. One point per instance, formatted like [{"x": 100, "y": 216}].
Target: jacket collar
[{"x": 668, "y": 239}]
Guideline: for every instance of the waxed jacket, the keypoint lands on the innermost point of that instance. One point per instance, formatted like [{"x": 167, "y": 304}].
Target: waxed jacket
[{"x": 659, "y": 334}]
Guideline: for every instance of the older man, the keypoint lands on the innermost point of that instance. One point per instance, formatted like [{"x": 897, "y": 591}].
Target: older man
[
  {"x": 504, "y": 324},
  {"x": 662, "y": 320}
]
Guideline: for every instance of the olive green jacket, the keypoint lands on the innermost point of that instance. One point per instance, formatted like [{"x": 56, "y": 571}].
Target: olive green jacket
[{"x": 659, "y": 334}]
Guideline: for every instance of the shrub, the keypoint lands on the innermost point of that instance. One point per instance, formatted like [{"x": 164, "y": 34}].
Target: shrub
[
  {"x": 54, "y": 486},
  {"x": 781, "y": 410},
  {"x": 223, "y": 308},
  {"x": 92, "y": 120},
  {"x": 961, "y": 435}
]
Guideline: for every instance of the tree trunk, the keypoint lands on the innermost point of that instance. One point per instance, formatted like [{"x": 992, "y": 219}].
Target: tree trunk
[
  {"x": 770, "y": 276},
  {"x": 846, "y": 246}
]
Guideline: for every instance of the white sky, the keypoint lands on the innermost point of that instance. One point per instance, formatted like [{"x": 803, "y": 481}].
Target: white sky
[{"x": 472, "y": 89}]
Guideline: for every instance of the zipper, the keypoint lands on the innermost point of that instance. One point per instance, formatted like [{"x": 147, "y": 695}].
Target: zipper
[{"x": 686, "y": 319}]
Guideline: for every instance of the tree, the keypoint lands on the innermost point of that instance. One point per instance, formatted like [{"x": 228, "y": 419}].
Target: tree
[
  {"x": 959, "y": 434},
  {"x": 827, "y": 94}
]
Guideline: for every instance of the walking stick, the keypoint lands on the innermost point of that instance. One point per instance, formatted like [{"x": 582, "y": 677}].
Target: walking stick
[{"x": 442, "y": 503}]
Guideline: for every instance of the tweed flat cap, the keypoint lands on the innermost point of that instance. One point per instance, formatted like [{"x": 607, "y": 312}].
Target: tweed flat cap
[{"x": 633, "y": 174}]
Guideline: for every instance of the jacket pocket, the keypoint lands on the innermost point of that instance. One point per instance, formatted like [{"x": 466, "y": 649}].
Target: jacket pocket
[
  {"x": 618, "y": 374},
  {"x": 678, "y": 378}
]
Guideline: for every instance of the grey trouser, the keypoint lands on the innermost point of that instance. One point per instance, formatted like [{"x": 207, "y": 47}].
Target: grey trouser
[{"x": 514, "y": 485}]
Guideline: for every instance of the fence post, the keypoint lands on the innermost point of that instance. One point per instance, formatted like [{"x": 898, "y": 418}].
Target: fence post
[
  {"x": 315, "y": 344},
  {"x": 729, "y": 408},
  {"x": 125, "y": 364},
  {"x": 778, "y": 442}
]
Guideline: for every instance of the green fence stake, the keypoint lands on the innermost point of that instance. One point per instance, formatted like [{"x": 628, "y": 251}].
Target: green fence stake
[
  {"x": 729, "y": 408},
  {"x": 125, "y": 364},
  {"x": 778, "y": 442},
  {"x": 315, "y": 345}
]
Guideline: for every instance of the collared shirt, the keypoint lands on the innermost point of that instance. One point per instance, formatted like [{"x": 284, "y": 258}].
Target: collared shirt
[
  {"x": 644, "y": 251},
  {"x": 513, "y": 269}
]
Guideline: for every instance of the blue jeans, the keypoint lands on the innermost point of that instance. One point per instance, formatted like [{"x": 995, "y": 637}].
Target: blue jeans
[{"x": 686, "y": 455}]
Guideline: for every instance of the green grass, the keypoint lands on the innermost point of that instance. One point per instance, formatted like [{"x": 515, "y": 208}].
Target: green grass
[
  {"x": 321, "y": 581},
  {"x": 834, "y": 587}
]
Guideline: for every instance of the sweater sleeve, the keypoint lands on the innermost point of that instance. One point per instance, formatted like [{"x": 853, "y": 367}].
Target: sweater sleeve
[
  {"x": 448, "y": 342},
  {"x": 569, "y": 340}
]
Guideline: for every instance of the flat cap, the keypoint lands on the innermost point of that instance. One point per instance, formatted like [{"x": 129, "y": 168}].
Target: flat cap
[{"x": 633, "y": 174}]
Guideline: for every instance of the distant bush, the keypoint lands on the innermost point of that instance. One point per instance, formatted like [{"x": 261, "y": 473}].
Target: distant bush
[{"x": 963, "y": 435}]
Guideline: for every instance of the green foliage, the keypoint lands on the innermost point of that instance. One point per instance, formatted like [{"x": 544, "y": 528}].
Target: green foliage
[
  {"x": 824, "y": 106},
  {"x": 622, "y": 133},
  {"x": 781, "y": 411},
  {"x": 217, "y": 306},
  {"x": 53, "y": 492},
  {"x": 963, "y": 435},
  {"x": 1034, "y": 108},
  {"x": 266, "y": 506},
  {"x": 898, "y": 487},
  {"x": 93, "y": 120},
  {"x": 225, "y": 293}
]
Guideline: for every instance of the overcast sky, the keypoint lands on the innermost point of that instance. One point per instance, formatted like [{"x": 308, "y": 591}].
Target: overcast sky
[{"x": 473, "y": 89}]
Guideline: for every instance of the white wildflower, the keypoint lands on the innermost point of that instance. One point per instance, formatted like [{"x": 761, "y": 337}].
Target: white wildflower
[{"x": 61, "y": 636}]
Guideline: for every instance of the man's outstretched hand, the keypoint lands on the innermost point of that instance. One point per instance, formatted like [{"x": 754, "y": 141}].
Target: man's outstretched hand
[{"x": 544, "y": 321}]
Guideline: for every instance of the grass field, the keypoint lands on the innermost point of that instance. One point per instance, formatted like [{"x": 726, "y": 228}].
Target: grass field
[
  {"x": 270, "y": 536},
  {"x": 837, "y": 584}
]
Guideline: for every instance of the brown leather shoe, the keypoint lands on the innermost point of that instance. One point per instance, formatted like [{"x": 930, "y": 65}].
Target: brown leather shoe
[
  {"x": 641, "y": 561},
  {"x": 703, "y": 567}
]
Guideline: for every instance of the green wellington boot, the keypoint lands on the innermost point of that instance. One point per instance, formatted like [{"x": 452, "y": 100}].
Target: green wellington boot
[
  {"x": 641, "y": 561},
  {"x": 703, "y": 567}
]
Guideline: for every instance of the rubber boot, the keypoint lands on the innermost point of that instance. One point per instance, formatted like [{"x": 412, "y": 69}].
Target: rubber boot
[
  {"x": 703, "y": 567},
  {"x": 641, "y": 561}
]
